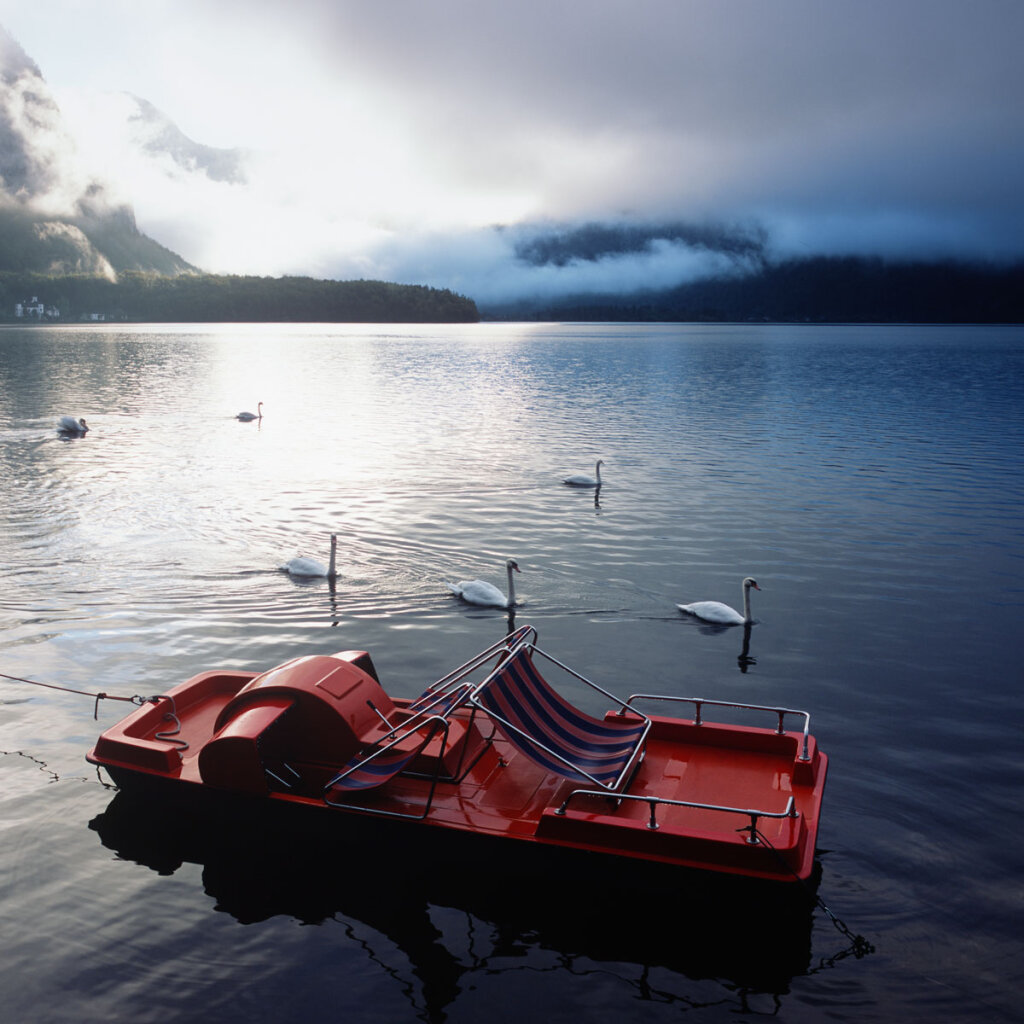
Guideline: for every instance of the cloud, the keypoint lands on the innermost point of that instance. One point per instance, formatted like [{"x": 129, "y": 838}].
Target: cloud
[
  {"x": 40, "y": 170},
  {"x": 390, "y": 139},
  {"x": 694, "y": 107},
  {"x": 498, "y": 266}
]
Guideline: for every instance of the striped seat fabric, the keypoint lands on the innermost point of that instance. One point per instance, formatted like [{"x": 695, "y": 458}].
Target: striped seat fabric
[
  {"x": 554, "y": 733},
  {"x": 367, "y": 771},
  {"x": 440, "y": 701}
]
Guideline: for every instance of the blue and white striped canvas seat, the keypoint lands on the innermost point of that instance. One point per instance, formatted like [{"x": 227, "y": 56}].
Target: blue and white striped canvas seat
[
  {"x": 395, "y": 753},
  {"x": 369, "y": 769},
  {"x": 429, "y": 716},
  {"x": 554, "y": 733}
]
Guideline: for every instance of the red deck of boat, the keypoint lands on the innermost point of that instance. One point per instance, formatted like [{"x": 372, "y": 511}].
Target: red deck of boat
[{"x": 507, "y": 795}]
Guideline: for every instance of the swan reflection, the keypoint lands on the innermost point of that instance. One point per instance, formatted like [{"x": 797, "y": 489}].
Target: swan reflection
[{"x": 745, "y": 659}]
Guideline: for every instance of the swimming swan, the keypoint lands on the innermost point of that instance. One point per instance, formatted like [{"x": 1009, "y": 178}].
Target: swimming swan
[
  {"x": 479, "y": 592},
  {"x": 722, "y": 614},
  {"x": 245, "y": 417},
  {"x": 302, "y": 566},
  {"x": 70, "y": 425},
  {"x": 580, "y": 480}
]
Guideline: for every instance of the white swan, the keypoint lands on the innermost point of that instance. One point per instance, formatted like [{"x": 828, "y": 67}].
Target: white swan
[
  {"x": 479, "y": 592},
  {"x": 302, "y": 566},
  {"x": 722, "y": 614},
  {"x": 245, "y": 417},
  {"x": 579, "y": 480},
  {"x": 71, "y": 425}
]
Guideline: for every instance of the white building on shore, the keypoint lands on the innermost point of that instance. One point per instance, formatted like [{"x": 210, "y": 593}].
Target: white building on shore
[{"x": 36, "y": 310}]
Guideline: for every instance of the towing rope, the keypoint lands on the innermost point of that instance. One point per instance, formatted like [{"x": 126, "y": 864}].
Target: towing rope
[{"x": 86, "y": 693}]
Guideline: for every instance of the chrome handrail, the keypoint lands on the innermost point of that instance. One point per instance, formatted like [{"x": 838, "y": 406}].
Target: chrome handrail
[
  {"x": 700, "y": 702},
  {"x": 790, "y": 810},
  {"x": 436, "y": 724},
  {"x": 503, "y": 647}
]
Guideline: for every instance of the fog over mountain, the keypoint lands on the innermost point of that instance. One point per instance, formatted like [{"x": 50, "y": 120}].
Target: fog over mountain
[
  {"x": 156, "y": 134},
  {"x": 55, "y": 216}
]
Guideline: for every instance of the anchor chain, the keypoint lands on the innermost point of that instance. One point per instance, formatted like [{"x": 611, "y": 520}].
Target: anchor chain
[{"x": 859, "y": 946}]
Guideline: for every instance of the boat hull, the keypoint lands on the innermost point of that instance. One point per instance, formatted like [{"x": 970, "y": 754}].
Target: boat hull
[{"x": 706, "y": 797}]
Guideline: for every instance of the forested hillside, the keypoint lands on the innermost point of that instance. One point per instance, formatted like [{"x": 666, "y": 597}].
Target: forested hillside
[
  {"x": 208, "y": 298},
  {"x": 832, "y": 290}
]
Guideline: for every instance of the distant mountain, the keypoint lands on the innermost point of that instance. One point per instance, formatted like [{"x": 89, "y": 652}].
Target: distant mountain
[
  {"x": 818, "y": 289},
  {"x": 156, "y": 134},
  {"x": 66, "y": 240},
  {"x": 54, "y": 217},
  {"x": 591, "y": 242},
  {"x": 680, "y": 271},
  {"x": 103, "y": 241}
]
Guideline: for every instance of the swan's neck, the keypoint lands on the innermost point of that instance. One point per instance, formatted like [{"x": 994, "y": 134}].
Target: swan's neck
[
  {"x": 331, "y": 571},
  {"x": 511, "y": 588},
  {"x": 746, "y": 603},
  {"x": 597, "y": 472}
]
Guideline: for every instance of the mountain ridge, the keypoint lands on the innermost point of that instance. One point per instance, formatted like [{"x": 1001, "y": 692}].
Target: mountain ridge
[
  {"x": 67, "y": 241},
  {"x": 55, "y": 218}
]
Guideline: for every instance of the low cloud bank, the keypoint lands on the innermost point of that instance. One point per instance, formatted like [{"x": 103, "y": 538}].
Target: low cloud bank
[
  {"x": 503, "y": 265},
  {"x": 542, "y": 263}
]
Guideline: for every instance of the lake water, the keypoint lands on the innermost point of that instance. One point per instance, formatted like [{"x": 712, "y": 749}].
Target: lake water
[{"x": 870, "y": 477}]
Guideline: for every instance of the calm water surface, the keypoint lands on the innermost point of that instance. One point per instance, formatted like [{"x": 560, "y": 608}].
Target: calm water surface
[{"x": 871, "y": 478}]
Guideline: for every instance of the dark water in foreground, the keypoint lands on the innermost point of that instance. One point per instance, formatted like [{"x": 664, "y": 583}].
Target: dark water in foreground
[{"x": 871, "y": 478}]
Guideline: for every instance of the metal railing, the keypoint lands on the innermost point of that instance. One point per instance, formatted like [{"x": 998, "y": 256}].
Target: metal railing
[
  {"x": 700, "y": 703},
  {"x": 654, "y": 802},
  {"x": 503, "y": 647}
]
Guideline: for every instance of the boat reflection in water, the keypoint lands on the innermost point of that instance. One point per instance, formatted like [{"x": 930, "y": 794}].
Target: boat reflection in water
[{"x": 751, "y": 938}]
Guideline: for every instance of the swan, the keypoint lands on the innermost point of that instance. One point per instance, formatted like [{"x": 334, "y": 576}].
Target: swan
[
  {"x": 579, "y": 480},
  {"x": 245, "y": 417},
  {"x": 302, "y": 566},
  {"x": 71, "y": 425},
  {"x": 722, "y": 614},
  {"x": 479, "y": 592}
]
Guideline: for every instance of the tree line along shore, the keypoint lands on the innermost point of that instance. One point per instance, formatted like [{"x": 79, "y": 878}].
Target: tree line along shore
[{"x": 141, "y": 297}]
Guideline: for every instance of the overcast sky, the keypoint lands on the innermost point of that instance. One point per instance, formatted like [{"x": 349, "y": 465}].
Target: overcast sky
[{"x": 387, "y": 138}]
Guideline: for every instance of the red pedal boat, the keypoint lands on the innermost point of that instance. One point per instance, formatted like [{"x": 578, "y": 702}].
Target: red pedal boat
[{"x": 493, "y": 749}]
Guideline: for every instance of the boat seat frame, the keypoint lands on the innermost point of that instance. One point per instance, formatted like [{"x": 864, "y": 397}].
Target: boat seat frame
[
  {"x": 431, "y": 714},
  {"x": 528, "y": 738},
  {"x": 425, "y": 729}
]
